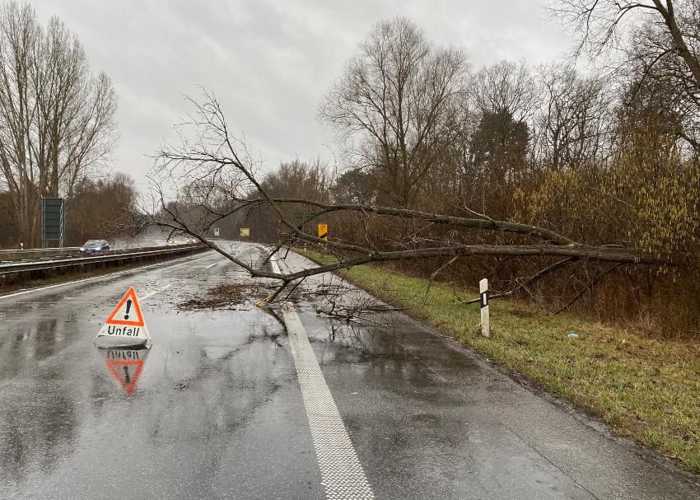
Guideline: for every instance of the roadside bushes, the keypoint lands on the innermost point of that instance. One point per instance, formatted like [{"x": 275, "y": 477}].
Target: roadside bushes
[{"x": 605, "y": 160}]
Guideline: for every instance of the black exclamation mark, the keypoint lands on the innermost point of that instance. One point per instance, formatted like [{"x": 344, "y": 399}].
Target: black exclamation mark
[
  {"x": 126, "y": 375},
  {"x": 128, "y": 308}
]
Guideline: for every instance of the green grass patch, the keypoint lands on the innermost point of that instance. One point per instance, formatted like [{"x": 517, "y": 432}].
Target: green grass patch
[{"x": 642, "y": 387}]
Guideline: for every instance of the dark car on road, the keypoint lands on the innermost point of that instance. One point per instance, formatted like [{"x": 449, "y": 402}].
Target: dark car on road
[{"x": 94, "y": 246}]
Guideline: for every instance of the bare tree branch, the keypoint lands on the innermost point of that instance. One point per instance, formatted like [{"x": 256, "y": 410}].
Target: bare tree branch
[{"x": 213, "y": 158}]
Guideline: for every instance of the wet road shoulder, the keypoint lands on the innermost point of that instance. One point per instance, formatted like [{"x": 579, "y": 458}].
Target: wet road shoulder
[
  {"x": 212, "y": 411},
  {"x": 429, "y": 419}
]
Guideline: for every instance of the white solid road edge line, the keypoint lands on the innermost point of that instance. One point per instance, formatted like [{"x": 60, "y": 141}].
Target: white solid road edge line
[
  {"x": 342, "y": 476},
  {"x": 96, "y": 278}
]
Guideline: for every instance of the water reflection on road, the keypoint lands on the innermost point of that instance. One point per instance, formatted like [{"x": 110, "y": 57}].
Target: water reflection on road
[
  {"x": 38, "y": 415},
  {"x": 68, "y": 406},
  {"x": 125, "y": 366}
]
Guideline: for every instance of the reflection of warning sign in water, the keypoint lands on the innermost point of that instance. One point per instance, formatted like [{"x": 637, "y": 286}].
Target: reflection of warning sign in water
[
  {"x": 125, "y": 325},
  {"x": 125, "y": 366}
]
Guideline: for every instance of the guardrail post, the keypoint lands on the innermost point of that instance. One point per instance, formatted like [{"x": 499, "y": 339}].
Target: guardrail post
[{"x": 484, "y": 303}]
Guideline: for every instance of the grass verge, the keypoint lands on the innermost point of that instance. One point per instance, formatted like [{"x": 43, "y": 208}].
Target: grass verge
[{"x": 644, "y": 388}]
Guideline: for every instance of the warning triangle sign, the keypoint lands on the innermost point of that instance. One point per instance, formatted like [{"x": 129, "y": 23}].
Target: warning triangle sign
[
  {"x": 127, "y": 311},
  {"x": 125, "y": 366},
  {"x": 125, "y": 325}
]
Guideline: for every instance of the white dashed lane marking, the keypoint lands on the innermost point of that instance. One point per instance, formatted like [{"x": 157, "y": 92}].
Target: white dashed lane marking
[
  {"x": 342, "y": 476},
  {"x": 151, "y": 294}
]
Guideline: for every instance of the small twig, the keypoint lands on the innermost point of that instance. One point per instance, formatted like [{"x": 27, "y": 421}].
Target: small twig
[
  {"x": 296, "y": 285},
  {"x": 529, "y": 281},
  {"x": 272, "y": 297},
  {"x": 590, "y": 286},
  {"x": 434, "y": 275}
]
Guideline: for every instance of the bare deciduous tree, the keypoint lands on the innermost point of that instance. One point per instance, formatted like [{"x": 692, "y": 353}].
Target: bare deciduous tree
[
  {"x": 659, "y": 39},
  {"x": 56, "y": 119},
  {"x": 397, "y": 95},
  {"x": 505, "y": 87},
  {"x": 103, "y": 208},
  {"x": 573, "y": 126},
  {"x": 215, "y": 155}
]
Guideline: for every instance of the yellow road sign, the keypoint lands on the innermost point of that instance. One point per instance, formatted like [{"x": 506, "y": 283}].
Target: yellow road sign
[
  {"x": 323, "y": 231},
  {"x": 245, "y": 232}
]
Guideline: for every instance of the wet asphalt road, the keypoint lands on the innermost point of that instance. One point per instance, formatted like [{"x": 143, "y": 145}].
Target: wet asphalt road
[{"x": 214, "y": 409}]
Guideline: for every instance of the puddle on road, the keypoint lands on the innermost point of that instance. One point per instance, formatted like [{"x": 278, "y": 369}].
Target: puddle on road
[
  {"x": 125, "y": 366},
  {"x": 392, "y": 351},
  {"x": 206, "y": 375}
]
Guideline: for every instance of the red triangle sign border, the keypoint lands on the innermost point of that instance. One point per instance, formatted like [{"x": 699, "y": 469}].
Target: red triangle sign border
[{"x": 130, "y": 294}]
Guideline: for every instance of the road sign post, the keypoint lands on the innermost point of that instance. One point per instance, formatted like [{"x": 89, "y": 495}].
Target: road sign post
[
  {"x": 52, "y": 221},
  {"x": 484, "y": 303}
]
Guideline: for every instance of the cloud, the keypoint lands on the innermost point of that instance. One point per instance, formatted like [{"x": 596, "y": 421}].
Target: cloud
[{"x": 269, "y": 62}]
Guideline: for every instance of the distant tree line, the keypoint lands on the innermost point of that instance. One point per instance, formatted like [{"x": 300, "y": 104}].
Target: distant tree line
[
  {"x": 605, "y": 158},
  {"x": 449, "y": 168},
  {"x": 56, "y": 129},
  {"x": 609, "y": 158},
  {"x": 98, "y": 208}
]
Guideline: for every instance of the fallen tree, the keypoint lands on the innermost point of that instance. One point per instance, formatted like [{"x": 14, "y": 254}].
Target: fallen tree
[{"x": 211, "y": 169}]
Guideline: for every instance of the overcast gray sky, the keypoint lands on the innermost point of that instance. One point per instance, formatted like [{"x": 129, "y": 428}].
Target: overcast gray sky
[{"x": 270, "y": 62}]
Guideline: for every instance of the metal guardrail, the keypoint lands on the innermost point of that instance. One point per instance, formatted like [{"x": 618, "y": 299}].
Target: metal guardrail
[
  {"x": 10, "y": 255},
  {"x": 78, "y": 262},
  {"x": 38, "y": 250}
]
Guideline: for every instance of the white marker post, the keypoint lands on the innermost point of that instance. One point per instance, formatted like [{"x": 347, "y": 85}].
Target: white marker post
[{"x": 484, "y": 303}]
